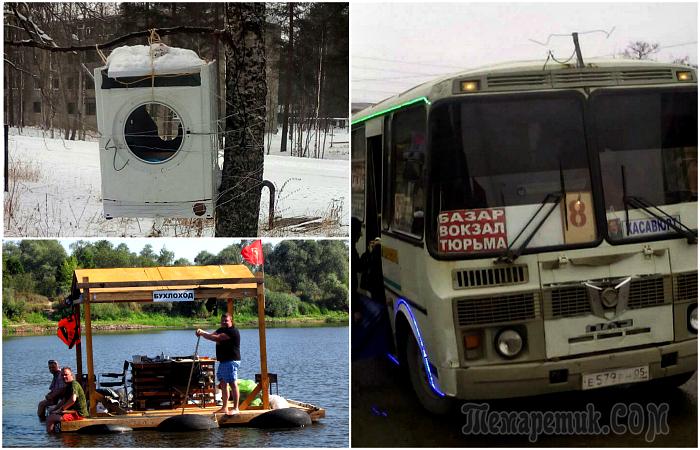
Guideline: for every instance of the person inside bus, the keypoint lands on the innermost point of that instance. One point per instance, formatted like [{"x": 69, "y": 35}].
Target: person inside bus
[
  {"x": 370, "y": 318},
  {"x": 72, "y": 406},
  {"x": 56, "y": 389},
  {"x": 358, "y": 266}
]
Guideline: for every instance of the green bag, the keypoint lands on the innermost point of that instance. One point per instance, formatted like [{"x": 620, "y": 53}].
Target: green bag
[{"x": 245, "y": 387}]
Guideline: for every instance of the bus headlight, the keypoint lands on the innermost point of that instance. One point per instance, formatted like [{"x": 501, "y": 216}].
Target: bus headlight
[
  {"x": 684, "y": 76},
  {"x": 469, "y": 86},
  {"x": 509, "y": 343},
  {"x": 693, "y": 318}
]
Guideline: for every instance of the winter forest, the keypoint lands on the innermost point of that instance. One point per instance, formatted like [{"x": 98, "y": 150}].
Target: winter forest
[{"x": 285, "y": 65}]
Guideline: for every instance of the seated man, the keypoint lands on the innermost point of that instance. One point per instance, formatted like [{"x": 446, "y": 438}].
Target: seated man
[
  {"x": 55, "y": 390},
  {"x": 72, "y": 406}
]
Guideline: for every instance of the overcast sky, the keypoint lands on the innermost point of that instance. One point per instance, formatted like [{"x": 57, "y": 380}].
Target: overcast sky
[{"x": 395, "y": 46}]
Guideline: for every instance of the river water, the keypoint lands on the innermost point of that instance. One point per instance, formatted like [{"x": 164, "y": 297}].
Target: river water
[{"x": 311, "y": 363}]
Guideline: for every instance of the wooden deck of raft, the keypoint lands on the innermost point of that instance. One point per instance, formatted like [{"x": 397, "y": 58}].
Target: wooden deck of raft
[{"x": 151, "y": 419}]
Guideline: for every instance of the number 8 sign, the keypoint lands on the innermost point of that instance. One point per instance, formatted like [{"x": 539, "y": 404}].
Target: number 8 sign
[{"x": 579, "y": 222}]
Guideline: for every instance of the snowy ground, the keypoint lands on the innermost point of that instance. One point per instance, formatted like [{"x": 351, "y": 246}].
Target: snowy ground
[{"x": 55, "y": 191}]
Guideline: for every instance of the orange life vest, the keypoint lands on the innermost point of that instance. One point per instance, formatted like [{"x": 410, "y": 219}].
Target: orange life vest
[{"x": 69, "y": 330}]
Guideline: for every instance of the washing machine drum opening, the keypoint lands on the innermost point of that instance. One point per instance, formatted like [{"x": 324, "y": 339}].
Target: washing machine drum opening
[{"x": 153, "y": 132}]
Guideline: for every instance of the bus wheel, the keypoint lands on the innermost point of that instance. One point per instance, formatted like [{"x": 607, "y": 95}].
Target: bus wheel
[{"x": 419, "y": 379}]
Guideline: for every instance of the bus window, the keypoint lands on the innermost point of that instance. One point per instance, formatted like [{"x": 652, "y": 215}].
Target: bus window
[
  {"x": 357, "y": 182},
  {"x": 387, "y": 204},
  {"x": 409, "y": 147},
  {"x": 504, "y": 155},
  {"x": 651, "y": 136}
]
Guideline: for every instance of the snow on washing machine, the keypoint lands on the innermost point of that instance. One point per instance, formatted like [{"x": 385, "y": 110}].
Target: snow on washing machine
[{"x": 156, "y": 114}]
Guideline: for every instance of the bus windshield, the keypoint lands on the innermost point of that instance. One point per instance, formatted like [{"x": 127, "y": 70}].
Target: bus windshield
[
  {"x": 498, "y": 158},
  {"x": 648, "y": 149}
]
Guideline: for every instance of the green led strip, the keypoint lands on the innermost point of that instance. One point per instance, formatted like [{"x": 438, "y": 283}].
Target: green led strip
[{"x": 393, "y": 108}]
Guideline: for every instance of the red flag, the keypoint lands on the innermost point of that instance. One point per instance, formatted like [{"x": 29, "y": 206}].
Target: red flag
[{"x": 253, "y": 253}]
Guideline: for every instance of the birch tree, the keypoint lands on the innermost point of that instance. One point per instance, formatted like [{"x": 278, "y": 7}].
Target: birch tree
[{"x": 238, "y": 205}]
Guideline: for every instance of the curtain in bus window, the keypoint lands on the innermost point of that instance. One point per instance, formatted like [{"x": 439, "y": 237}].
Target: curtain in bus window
[
  {"x": 357, "y": 180},
  {"x": 651, "y": 137},
  {"x": 409, "y": 149}
]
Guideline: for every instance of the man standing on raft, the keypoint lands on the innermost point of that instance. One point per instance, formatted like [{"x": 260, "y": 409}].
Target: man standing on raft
[{"x": 228, "y": 353}]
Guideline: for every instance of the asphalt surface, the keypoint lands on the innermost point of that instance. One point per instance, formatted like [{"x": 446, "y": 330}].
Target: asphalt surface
[{"x": 386, "y": 413}]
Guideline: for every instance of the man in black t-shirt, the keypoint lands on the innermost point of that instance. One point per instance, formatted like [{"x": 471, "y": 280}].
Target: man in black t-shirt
[{"x": 228, "y": 353}]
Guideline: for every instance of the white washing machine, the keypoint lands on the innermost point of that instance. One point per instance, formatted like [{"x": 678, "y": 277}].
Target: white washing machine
[{"x": 158, "y": 142}]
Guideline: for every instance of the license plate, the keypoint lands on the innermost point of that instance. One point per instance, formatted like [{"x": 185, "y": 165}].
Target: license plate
[{"x": 614, "y": 377}]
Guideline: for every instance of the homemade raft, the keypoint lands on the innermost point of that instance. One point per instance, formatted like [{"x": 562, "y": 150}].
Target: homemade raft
[{"x": 229, "y": 282}]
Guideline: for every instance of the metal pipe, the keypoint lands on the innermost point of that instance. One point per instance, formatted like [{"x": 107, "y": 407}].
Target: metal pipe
[
  {"x": 271, "y": 213},
  {"x": 189, "y": 380},
  {"x": 579, "y": 57}
]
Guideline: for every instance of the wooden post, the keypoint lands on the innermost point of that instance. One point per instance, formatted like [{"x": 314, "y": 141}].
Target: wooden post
[
  {"x": 78, "y": 346},
  {"x": 88, "y": 349},
  {"x": 229, "y": 309},
  {"x": 264, "y": 382}
]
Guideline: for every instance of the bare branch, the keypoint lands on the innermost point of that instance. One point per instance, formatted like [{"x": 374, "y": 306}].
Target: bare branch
[
  {"x": 14, "y": 66},
  {"x": 161, "y": 32},
  {"x": 27, "y": 21}
]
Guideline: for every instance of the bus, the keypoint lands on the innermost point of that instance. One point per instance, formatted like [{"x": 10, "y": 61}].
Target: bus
[{"x": 537, "y": 227}]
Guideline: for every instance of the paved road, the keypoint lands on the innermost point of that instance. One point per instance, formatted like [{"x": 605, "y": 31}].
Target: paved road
[{"x": 385, "y": 413}]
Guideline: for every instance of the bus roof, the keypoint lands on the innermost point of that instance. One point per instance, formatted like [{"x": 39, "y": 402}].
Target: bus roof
[{"x": 535, "y": 75}]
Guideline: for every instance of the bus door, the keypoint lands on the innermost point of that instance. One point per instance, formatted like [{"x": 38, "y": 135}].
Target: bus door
[
  {"x": 374, "y": 186},
  {"x": 373, "y": 280}
]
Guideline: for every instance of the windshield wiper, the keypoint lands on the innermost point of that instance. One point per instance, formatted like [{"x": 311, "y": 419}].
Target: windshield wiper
[
  {"x": 512, "y": 254},
  {"x": 649, "y": 208}
]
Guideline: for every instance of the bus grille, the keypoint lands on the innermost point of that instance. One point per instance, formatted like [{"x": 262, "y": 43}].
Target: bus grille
[
  {"x": 646, "y": 292},
  {"x": 490, "y": 276},
  {"x": 686, "y": 286},
  {"x": 535, "y": 79},
  {"x": 582, "y": 78},
  {"x": 496, "y": 309},
  {"x": 569, "y": 301},
  {"x": 572, "y": 77},
  {"x": 641, "y": 76}
]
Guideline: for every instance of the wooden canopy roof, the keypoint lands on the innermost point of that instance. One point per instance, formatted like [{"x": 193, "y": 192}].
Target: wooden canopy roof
[{"x": 138, "y": 283}]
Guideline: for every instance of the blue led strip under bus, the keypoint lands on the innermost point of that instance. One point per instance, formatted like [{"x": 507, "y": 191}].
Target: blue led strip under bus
[
  {"x": 421, "y": 346},
  {"x": 393, "y": 359}
]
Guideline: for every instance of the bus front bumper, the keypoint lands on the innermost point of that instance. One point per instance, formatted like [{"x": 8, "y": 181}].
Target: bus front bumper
[{"x": 535, "y": 378}]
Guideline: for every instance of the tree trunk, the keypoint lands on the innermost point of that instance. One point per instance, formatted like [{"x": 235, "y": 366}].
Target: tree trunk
[
  {"x": 9, "y": 99},
  {"x": 238, "y": 205},
  {"x": 317, "y": 124},
  {"x": 22, "y": 94},
  {"x": 80, "y": 105},
  {"x": 221, "y": 70},
  {"x": 288, "y": 80}
]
